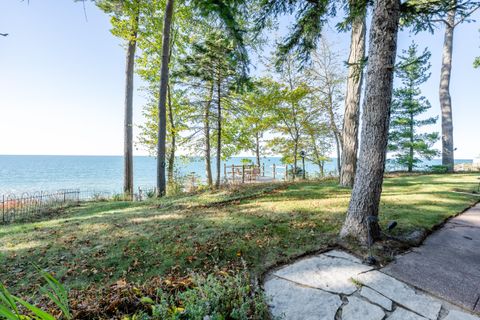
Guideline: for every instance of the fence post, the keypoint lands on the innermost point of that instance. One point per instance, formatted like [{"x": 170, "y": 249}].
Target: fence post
[
  {"x": 243, "y": 173},
  {"x": 233, "y": 173},
  {"x": 274, "y": 171},
  {"x": 3, "y": 208},
  {"x": 263, "y": 169},
  {"x": 286, "y": 172}
]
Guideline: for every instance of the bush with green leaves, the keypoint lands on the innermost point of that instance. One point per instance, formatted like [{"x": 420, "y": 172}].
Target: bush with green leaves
[
  {"x": 438, "y": 169},
  {"x": 216, "y": 296}
]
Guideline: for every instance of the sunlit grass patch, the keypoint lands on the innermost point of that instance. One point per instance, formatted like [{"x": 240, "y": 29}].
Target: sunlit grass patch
[{"x": 97, "y": 244}]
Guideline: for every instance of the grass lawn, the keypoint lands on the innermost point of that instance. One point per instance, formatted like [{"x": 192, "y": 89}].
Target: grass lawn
[{"x": 97, "y": 244}]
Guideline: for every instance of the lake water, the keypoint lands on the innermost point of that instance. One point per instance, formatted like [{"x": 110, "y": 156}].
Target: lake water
[{"x": 104, "y": 173}]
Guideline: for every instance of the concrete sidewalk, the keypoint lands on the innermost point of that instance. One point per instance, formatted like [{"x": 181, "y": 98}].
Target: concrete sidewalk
[{"x": 447, "y": 265}]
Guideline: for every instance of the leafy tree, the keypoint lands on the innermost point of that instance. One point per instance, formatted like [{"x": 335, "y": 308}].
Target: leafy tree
[
  {"x": 211, "y": 71},
  {"x": 405, "y": 142},
  {"x": 227, "y": 12},
  {"x": 256, "y": 105},
  {"x": 289, "y": 114},
  {"x": 125, "y": 16},
  {"x": 326, "y": 80}
]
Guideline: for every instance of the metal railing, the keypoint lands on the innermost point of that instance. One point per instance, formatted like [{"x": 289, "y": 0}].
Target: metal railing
[{"x": 21, "y": 207}]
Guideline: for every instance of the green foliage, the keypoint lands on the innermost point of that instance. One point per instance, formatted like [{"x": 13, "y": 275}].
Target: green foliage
[
  {"x": 438, "y": 169},
  {"x": 10, "y": 310},
  {"x": 216, "y": 296},
  {"x": 407, "y": 145}
]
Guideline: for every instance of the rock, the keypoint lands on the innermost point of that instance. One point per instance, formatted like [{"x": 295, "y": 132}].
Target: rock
[
  {"x": 291, "y": 302},
  {"x": 459, "y": 315},
  {"x": 416, "y": 237},
  {"x": 343, "y": 255},
  {"x": 323, "y": 272},
  {"x": 376, "y": 298},
  {"x": 401, "y": 293},
  {"x": 358, "y": 309},
  {"x": 402, "y": 314}
]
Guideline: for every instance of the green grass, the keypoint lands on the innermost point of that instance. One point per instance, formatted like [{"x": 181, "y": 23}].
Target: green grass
[{"x": 97, "y": 244}]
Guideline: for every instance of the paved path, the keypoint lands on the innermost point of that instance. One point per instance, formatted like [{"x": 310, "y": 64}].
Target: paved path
[
  {"x": 338, "y": 286},
  {"x": 448, "y": 263}
]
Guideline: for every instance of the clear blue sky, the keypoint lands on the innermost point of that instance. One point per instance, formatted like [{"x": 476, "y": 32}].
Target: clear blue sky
[{"x": 62, "y": 81}]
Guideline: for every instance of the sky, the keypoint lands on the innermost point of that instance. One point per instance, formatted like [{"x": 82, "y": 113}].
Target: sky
[{"x": 62, "y": 80}]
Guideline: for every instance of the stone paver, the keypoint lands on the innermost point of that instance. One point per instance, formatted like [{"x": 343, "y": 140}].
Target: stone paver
[
  {"x": 324, "y": 272},
  {"x": 358, "y": 309},
  {"x": 292, "y": 302},
  {"x": 402, "y": 314},
  {"x": 458, "y": 315},
  {"x": 376, "y": 298},
  {"x": 322, "y": 288},
  {"x": 401, "y": 293},
  {"x": 447, "y": 264}
]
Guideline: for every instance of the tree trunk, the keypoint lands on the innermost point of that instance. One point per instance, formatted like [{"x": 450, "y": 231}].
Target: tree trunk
[
  {"x": 162, "y": 121},
  {"x": 339, "y": 152},
  {"x": 219, "y": 132},
  {"x": 208, "y": 161},
  {"x": 257, "y": 148},
  {"x": 352, "y": 102},
  {"x": 445, "y": 100},
  {"x": 410, "y": 160},
  {"x": 367, "y": 187},
  {"x": 128, "y": 123},
  {"x": 173, "y": 134}
]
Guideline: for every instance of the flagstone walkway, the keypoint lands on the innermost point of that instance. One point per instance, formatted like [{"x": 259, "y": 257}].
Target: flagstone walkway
[{"x": 338, "y": 286}]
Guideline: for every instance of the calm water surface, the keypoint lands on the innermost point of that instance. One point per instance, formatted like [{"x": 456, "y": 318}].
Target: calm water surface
[{"x": 104, "y": 173}]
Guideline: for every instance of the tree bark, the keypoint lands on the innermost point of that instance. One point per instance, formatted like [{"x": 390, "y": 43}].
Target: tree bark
[
  {"x": 219, "y": 131},
  {"x": 352, "y": 102},
  {"x": 208, "y": 161},
  {"x": 128, "y": 122},
  {"x": 339, "y": 152},
  {"x": 445, "y": 99},
  {"x": 162, "y": 121},
  {"x": 257, "y": 148},
  {"x": 171, "y": 157},
  {"x": 367, "y": 187}
]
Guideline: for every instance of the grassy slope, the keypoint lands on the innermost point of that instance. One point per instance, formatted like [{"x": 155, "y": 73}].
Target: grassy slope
[{"x": 100, "y": 243}]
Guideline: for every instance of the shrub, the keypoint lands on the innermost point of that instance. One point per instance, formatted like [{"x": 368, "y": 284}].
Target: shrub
[
  {"x": 216, "y": 296},
  {"x": 438, "y": 169}
]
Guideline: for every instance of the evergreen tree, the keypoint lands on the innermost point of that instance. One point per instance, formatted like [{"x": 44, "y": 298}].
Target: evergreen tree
[{"x": 407, "y": 144}]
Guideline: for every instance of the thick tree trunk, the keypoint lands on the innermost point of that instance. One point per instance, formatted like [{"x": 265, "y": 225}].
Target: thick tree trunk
[
  {"x": 219, "y": 133},
  {"x": 162, "y": 121},
  {"x": 173, "y": 134},
  {"x": 367, "y": 187},
  {"x": 445, "y": 100},
  {"x": 352, "y": 102},
  {"x": 128, "y": 123},
  {"x": 206, "y": 128}
]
